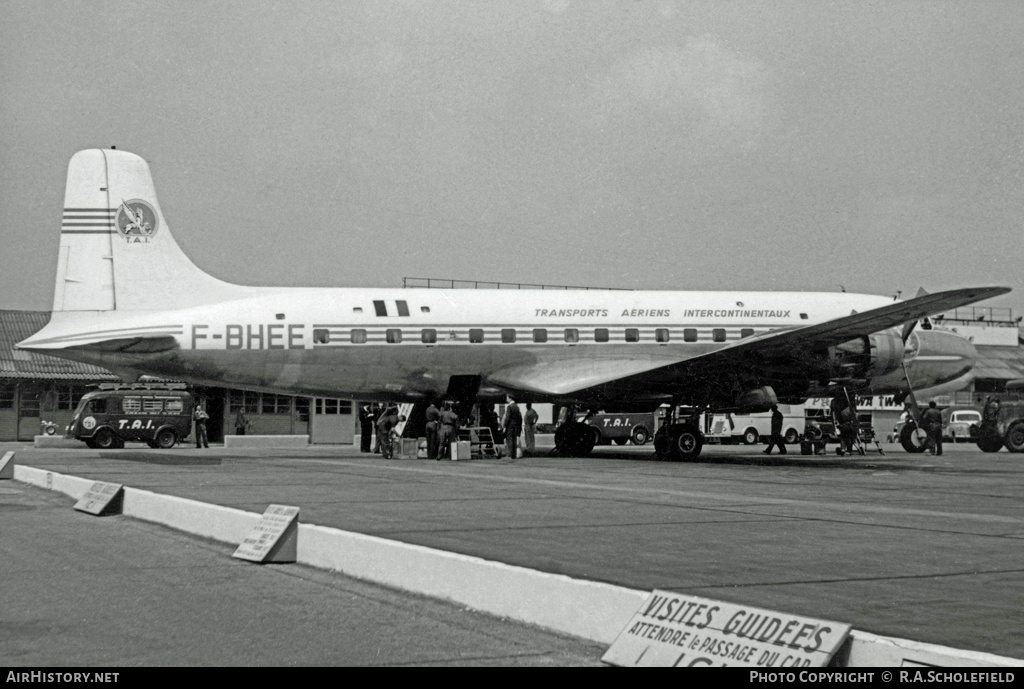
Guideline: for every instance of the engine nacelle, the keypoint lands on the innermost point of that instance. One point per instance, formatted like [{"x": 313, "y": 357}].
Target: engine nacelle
[
  {"x": 867, "y": 357},
  {"x": 756, "y": 400}
]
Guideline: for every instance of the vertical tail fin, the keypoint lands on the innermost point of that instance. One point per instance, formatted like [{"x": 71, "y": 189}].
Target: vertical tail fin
[{"x": 116, "y": 250}]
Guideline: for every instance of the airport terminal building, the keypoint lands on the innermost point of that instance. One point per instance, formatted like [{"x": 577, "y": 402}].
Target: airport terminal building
[{"x": 35, "y": 388}]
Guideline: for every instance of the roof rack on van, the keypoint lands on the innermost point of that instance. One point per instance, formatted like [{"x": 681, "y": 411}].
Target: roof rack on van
[{"x": 142, "y": 386}]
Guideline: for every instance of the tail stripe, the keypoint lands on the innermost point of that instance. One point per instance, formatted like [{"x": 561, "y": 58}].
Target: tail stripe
[{"x": 99, "y": 217}]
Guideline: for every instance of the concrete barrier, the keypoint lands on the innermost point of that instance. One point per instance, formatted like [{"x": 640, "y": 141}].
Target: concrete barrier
[
  {"x": 58, "y": 441},
  {"x": 285, "y": 441},
  {"x": 587, "y": 609}
]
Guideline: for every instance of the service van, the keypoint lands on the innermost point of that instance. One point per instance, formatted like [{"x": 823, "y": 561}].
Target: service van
[
  {"x": 161, "y": 417},
  {"x": 751, "y": 429}
]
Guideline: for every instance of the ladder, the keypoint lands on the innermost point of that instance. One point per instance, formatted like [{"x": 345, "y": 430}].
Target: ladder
[{"x": 481, "y": 442}]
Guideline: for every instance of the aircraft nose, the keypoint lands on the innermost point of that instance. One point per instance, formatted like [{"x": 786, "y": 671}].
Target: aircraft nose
[{"x": 940, "y": 356}]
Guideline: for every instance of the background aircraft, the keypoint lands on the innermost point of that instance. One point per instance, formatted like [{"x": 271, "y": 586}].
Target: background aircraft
[{"x": 128, "y": 299}]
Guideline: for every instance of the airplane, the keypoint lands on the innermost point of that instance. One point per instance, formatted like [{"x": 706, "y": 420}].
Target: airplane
[{"x": 128, "y": 299}]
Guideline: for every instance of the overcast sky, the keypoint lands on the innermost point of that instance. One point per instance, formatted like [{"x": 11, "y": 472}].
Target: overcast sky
[{"x": 645, "y": 144}]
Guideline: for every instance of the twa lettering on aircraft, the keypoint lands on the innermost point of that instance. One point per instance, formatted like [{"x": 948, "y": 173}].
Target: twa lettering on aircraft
[{"x": 128, "y": 299}]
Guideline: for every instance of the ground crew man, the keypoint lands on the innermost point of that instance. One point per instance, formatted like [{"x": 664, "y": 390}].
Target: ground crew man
[
  {"x": 365, "y": 427},
  {"x": 530, "y": 427},
  {"x": 931, "y": 420},
  {"x": 385, "y": 425},
  {"x": 449, "y": 432},
  {"x": 512, "y": 425},
  {"x": 776, "y": 437},
  {"x": 433, "y": 417},
  {"x": 200, "y": 416}
]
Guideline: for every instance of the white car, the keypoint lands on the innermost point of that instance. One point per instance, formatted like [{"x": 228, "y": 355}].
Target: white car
[{"x": 961, "y": 426}]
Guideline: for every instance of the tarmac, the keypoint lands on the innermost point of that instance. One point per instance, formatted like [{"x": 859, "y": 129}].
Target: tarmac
[{"x": 911, "y": 546}]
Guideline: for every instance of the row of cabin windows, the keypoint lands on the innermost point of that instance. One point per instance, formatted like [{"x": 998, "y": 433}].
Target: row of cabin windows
[{"x": 569, "y": 335}]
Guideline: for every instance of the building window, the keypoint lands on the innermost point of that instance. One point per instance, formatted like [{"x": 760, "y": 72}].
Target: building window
[
  {"x": 690, "y": 335},
  {"x": 275, "y": 404},
  {"x": 476, "y": 335},
  {"x": 572, "y": 335},
  {"x": 540, "y": 335},
  {"x": 508, "y": 335},
  {"x": 661, "y": 335},
  {"x": 632, "y": 335},
  {"x": 244, "y": 400},
  {"x": 302, "y": 409},
  {"x": 393, "y": 335},
  {"x": 428, "y": 336},
  {"x": 6, "y": 397},
  {"x": 321, "y": 336},
  {"x": 718, "y": 334},
  {"x": 601, "y": 335},
  {"x": 358, "y": 336},
  {"x": 328, "y": 405}
]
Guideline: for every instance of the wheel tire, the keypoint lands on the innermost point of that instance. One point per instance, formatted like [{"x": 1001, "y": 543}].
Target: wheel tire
[
  {"x": 791, "y": 437},
  {"x": 50, "y": 430},
  {"x": 597, "y": 437},
  {"x": 989, "y": 440},
  {"x": 750, "y": 436},
  {"x": 621, "y": 441},
  {"x": 574, "y": 439},
  {"x": 912, "y": 439},
  {"x": 105, "y": 439},
  {"x": 640, "y": 435},
  {"x": 687, "y": 444},
  {"x": 1015, "y": 437},
  {"x": 166, "y": 439}
]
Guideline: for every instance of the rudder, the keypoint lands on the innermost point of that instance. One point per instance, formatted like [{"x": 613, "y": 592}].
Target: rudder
[{"x": 116, "y": 250}]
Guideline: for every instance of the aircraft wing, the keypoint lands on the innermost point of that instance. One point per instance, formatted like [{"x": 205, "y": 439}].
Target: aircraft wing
[
  {"x": 617, "y": 377},
  {"x": 839, "y": 330}
]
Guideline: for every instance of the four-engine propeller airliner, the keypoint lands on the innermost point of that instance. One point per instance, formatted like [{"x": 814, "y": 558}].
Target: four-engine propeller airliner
[{"x": 128, "y": 299}]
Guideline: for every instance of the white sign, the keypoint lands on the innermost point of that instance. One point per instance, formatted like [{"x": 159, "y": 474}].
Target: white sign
[
  {"x": 675, "y": 630},
  {"x": 274, "y": 538},
  {"x": 99, "y": 497}
]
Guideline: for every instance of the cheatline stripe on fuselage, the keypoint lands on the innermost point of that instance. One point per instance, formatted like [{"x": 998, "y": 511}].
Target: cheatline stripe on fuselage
[{"x": 162, "y": 330}]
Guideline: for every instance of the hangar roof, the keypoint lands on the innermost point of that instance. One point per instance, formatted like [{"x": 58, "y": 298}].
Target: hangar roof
[{"x": 16, "y": 326}]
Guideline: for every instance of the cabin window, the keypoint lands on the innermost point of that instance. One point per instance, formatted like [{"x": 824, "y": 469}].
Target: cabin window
[
  {"x": 632, "y": 335},
  {"x": 508, "y": 335},
  {"x": 425, "y": 309},
  {"x": 689, "y": 335},
  {"x": 572, "y": 335},
  {"x": 98, "y": 406},
  {"x": 357, "y": 309},
  {"x": 718, "y": 334},
  {"x": 661, "y": 335},
  {"x": 151, "y": 405},
  {"x": 132, "y": 405},
  {"x": 428, "y": 336},
  {"x": 540, "y": 335},
  {"x": 803, "y": 316},
  {"x": 601, "y": 335},
  {"x": 173, "y": 405},
  {"x": 746, "y": 332},
  {"x": 393, "y": 335},
  {"x": 321, "y": 336},
  {"x": 403, "y": 308},
  {"x": 476, "y": 335},
  {"x": 358, "y": 336},
  {"x": 380, "y": 308}
]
